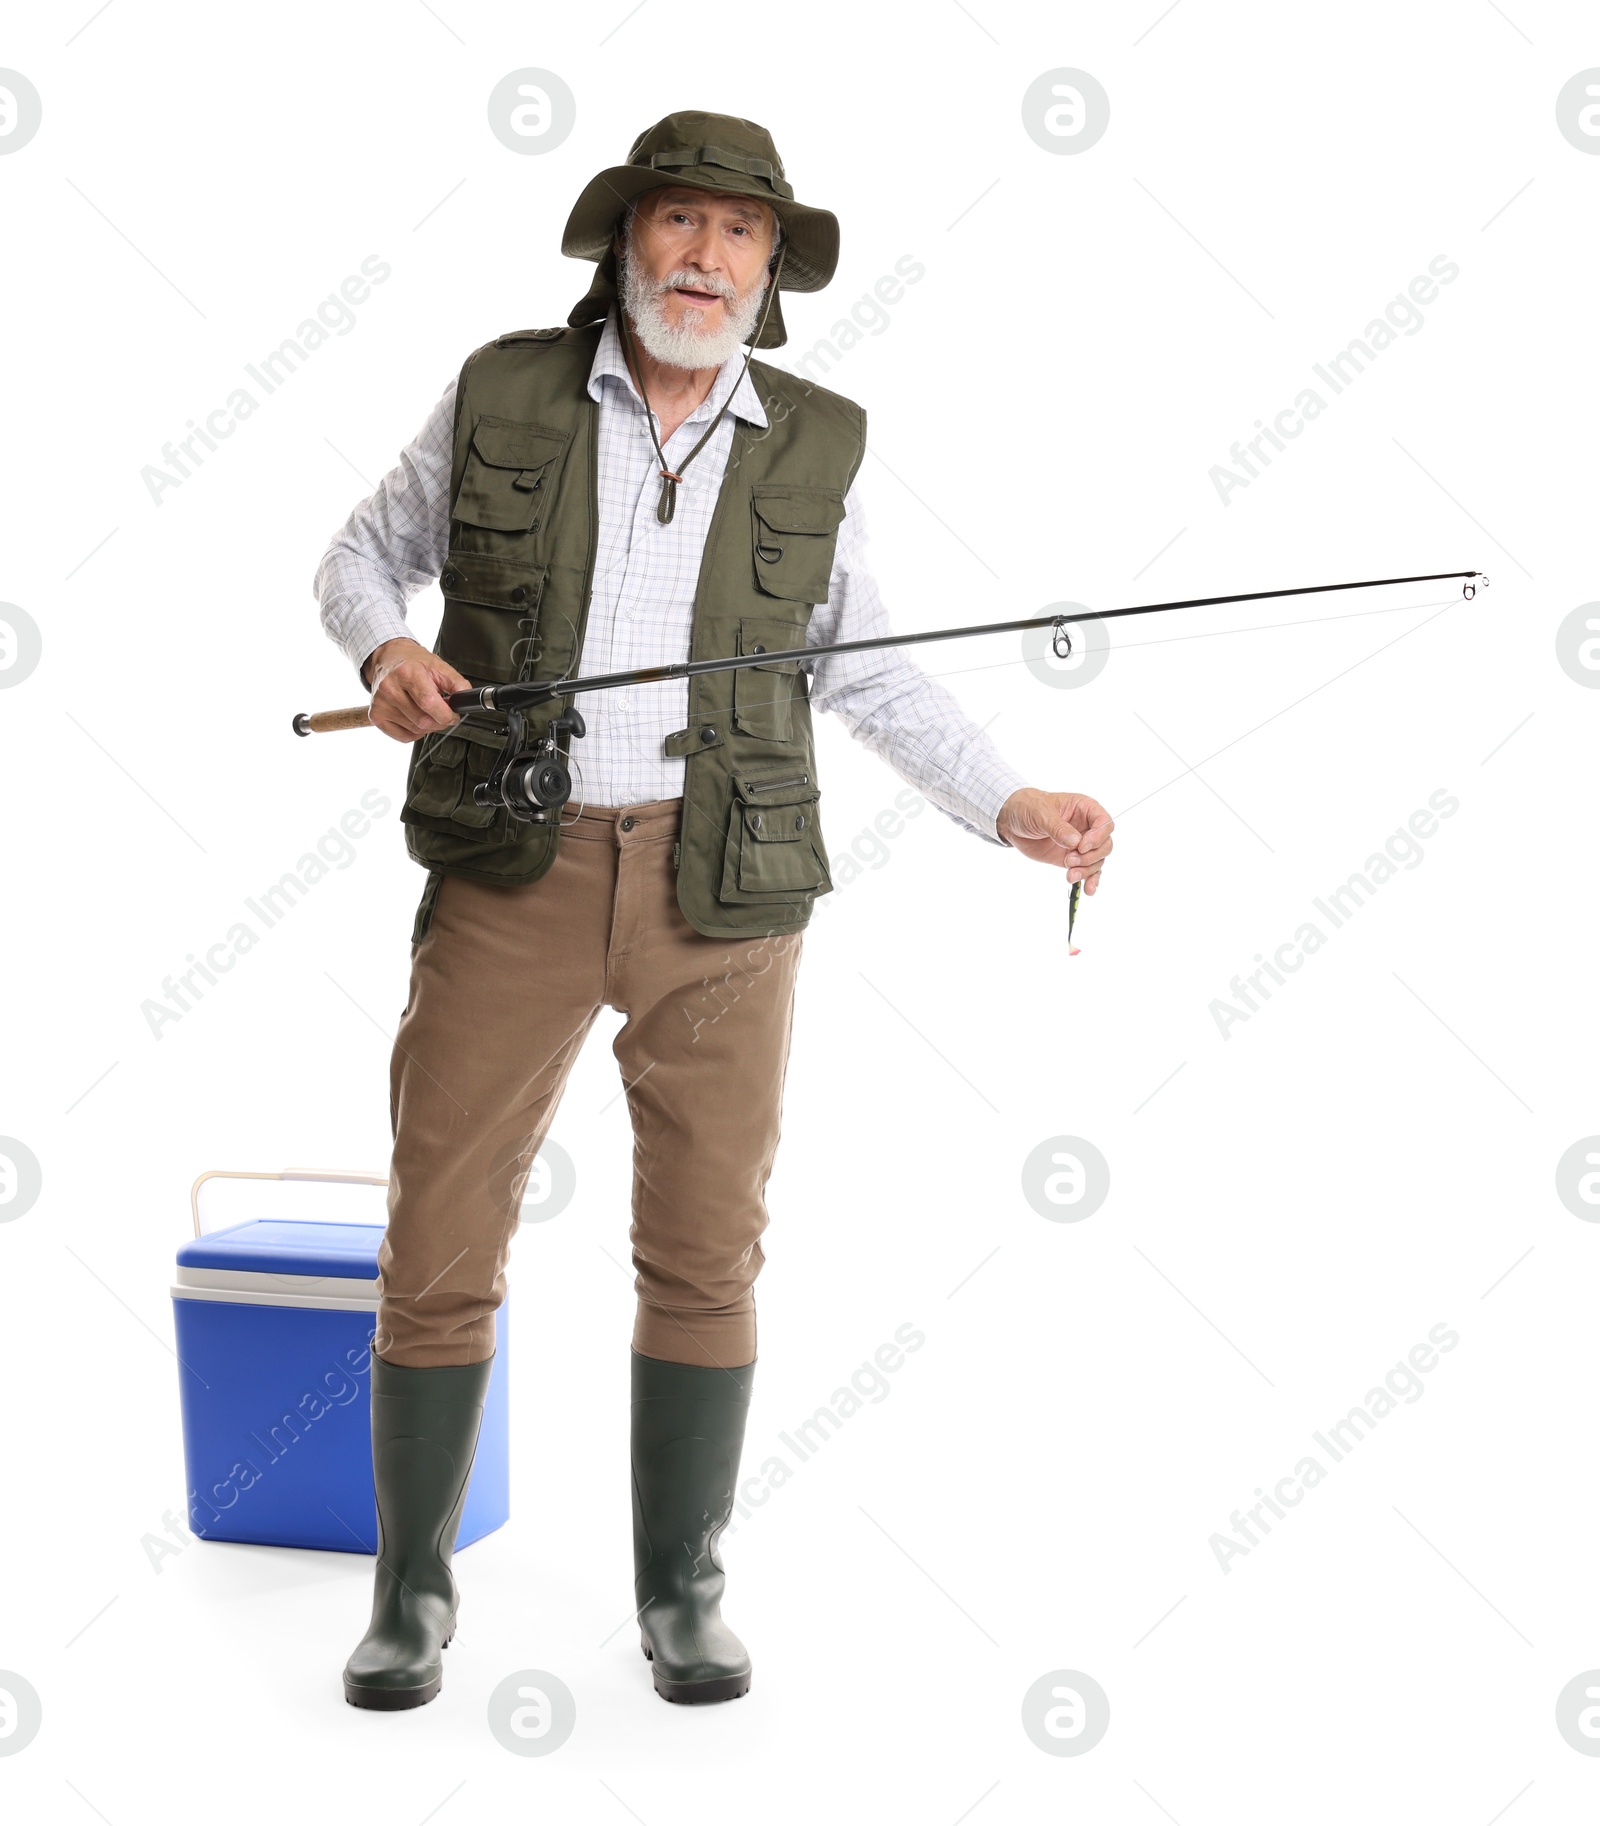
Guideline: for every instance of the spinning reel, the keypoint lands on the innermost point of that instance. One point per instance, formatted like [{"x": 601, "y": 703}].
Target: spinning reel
[{"x": 532, "y": 783}]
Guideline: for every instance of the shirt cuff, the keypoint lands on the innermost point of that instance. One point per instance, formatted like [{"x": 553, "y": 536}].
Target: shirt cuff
[
  {"x": 1001, "y": 782},
  {"x": 375, "y": 624}
]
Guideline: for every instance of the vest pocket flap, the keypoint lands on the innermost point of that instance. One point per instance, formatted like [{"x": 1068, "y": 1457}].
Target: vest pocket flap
[
  {"x": 799, "y": 510},
  {"x": 507, "y": 479},
  {"x": 475, "y": 634},
  {"x": 778, "y": 823},
  {"x": 498, "y": 583},
  {"x": 767, "y": 634},
  {"x": 508, "y": 444},
  {"x": 447, "y": 752},
  {"x": 785, "y": 786},
  {"x": 482, "y": 746},
  {"x": 793, "y": 535},
  {"x": 764, "y": 696},
  {"x": 447, "y": 767},
  {"x": 774, "y": 848}
]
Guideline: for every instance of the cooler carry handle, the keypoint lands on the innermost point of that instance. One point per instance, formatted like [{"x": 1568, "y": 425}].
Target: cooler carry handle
[{"x": 321, "y": 1175}]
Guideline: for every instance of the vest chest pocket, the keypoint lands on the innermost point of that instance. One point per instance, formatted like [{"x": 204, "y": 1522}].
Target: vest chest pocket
[
  {"x": 763, "y": 696},
  {"x": 510, "y": 475},
  {"x": 489, "y": 627},
  {"x": 775, "y": 849},
  {"x": 793, "y": 534},
  {"x": 444, "y": 770}
]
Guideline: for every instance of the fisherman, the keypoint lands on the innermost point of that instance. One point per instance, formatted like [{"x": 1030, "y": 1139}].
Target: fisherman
[{"x": 617, "y": 492}]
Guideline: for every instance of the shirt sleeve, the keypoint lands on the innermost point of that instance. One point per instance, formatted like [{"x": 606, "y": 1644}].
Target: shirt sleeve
[
  {"x": 890, "y": 704},
  {"x": 393, "y": 544}
]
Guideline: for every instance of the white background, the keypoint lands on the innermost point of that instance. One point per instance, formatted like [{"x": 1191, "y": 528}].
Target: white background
[{"x": 1363, "y": 1159}]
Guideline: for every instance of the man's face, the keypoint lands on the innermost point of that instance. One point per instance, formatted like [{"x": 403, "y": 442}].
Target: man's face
[{"x": 701, "y": 256}]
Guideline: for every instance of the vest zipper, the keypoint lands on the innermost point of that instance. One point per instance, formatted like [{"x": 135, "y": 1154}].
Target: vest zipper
[
  {"x": 772, "y": 786},
  {"x": 677, "y": 854}
]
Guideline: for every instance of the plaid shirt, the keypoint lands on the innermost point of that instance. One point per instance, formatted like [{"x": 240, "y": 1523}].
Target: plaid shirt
[{"x": 641, "y": 607}]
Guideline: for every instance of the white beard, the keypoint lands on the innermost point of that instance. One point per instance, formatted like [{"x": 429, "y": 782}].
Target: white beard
[{"x": 687, "y": 344}]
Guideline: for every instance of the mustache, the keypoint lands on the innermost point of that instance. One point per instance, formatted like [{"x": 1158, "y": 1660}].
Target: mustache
[{"x": 696, "y": 282}]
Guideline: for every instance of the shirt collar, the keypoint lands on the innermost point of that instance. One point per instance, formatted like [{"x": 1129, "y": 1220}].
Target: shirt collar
[{"x": 608, "y": 359}]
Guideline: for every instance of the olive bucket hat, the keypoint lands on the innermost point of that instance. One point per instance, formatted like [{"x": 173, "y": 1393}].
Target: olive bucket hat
[{"x": 709, "y": 152}]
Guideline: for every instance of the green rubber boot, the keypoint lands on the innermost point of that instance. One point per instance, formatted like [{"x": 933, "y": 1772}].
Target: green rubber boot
[
  {"x": 688, "y": 1430},
  {"x": 424, "y": 1435}
]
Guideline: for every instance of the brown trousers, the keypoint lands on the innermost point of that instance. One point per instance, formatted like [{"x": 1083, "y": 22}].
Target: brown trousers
[{"x": 505, "y": 985}]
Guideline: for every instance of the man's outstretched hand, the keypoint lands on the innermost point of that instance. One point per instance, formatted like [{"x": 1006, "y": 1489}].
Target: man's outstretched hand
[
  {"x": 1068, "y": 830},
  {"x": 409, "y": 685}
]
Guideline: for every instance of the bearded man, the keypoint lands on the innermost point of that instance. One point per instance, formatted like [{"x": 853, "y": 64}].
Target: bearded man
[{"x": 620, "y": 492}]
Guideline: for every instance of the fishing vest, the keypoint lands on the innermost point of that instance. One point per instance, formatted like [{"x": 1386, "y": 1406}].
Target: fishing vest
[{"x": 516, "y": 583}]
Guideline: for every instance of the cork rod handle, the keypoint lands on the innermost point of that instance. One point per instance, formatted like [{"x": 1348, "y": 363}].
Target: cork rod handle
[{"x": 324, "y": 722}]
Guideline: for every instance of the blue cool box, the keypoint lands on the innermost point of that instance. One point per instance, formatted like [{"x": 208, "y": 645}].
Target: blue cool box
[{"x": 274, "y": 1328}]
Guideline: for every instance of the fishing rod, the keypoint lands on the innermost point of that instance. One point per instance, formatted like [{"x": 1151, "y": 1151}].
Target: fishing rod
[
  {"x": 534, "y": 782},
  {"x": 530, "y": 694}
]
